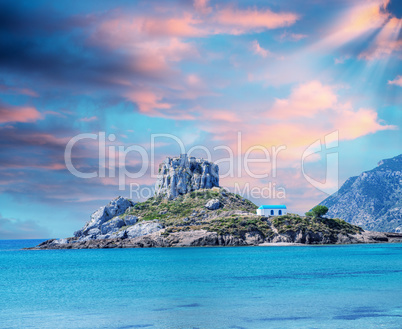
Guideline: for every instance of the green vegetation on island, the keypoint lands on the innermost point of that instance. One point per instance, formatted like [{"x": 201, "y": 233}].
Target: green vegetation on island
[{"x": 235, "y": 216}]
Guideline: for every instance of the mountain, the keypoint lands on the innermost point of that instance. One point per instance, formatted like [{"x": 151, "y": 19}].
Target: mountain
[
  {"x": 185, "y": 213},
  {"x": 372, "y": 200}
]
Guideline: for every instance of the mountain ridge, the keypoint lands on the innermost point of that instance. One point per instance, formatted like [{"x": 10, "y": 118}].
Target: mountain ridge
[{"x": 373, "y": 199}]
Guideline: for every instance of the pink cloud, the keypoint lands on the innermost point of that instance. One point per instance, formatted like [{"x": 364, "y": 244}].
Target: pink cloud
[
  {"x": 305, "y": 101},
  {"x": 147, "y": 100},
  {"x": 51, "y": 166},
  {"x": 191, "y": 86},
  {"x": 386, "y": 42},
  {"x": 297, "y": 136},
  {"x": 124, "y": 29},
  {"x": 354, "y": 124},
  {"x": 57, "y": 114},
  {"x": 17, "y": 90},
  {"x": 364, "y": 20},
  {"x": 307, "y": 105},
  {"x": 359, "y": 20},
  {"x": 202, "y": 6},
  {"x": 194, "y": 80},
  {"x": 341, "y": 59},
  {"x": 44, "y": 138},
  {"x": 15, "y": 137},
  {"x": 227, "y": 116},
  {"x": 242, "y": 21},
  {"x": 258, "y": 50},
  {"x": 156, "y": 43},
  {"x": 9, "y": 113},
  {"x": 175, "y": 50},
  {"x": 28, "y": 92},
  {"x": 178, "y": 26},
  {"x": 56, "y": 166},
  {"x": 292, "y": 36},
  {"x": 397, "y": 81},
  {"x": 151, "y": 102},
  {"x": 89, "y": 119}
]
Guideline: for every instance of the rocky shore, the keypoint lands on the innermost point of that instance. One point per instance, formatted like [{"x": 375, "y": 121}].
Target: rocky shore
[{"x": 203, "y": 238}]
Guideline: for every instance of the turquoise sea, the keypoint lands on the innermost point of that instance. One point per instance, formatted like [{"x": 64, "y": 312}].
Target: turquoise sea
[{"x": 357, "y": 286}]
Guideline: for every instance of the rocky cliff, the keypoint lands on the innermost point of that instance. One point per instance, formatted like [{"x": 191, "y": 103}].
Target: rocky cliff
[
  {"x": 201, "y": 238},
  {"x": 372, "y": 200},
  {"x": 181, "y": 175},
  {"x": 115, "y": 220}
]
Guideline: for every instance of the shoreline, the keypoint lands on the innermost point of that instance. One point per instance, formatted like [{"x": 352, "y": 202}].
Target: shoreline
[
  {"x": 262, "y": 245},
  {"x": 203, "y": 238}
]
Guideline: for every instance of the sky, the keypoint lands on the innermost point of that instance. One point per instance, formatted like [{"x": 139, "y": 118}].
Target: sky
[{"x": 290, "y": 98}]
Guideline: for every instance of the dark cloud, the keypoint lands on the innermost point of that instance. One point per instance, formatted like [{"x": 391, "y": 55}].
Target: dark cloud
[
  {"x": 395, "y": 8},
  {"x": 90, "y": 68},
  {"x": 53, "y": 49},
  {"x": 26, "y": 135},
  {"x": 29, "y": 147},
  {"x": 41, "y": 150}
]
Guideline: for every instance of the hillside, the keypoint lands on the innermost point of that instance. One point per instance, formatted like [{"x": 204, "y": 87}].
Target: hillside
[{"x": 372, "y": 200}]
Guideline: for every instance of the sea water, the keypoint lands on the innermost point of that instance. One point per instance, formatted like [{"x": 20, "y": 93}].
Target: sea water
[{"x": 353, "y": 286}]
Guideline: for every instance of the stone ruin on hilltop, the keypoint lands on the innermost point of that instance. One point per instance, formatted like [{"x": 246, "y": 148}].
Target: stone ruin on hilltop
[{"x": 181, "y": 175}]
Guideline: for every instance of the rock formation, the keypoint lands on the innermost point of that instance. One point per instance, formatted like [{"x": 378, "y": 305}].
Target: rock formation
[
  {"x": 372, "y": 200},
  {"x": 199, "y": 238},
  {"x": 111, "y": 222},
  {"x": 213, "y": 204},
  {"x": 181, "y": 175}
]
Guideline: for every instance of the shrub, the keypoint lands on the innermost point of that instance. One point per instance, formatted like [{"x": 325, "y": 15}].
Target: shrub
[{"x": 319, "y": 211}]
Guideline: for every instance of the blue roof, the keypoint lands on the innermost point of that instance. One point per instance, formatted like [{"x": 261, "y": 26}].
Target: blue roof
[{"x": 273, "y": 207}]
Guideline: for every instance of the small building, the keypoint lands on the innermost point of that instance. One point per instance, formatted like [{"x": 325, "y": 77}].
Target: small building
[{"x": 272, "y": 210}]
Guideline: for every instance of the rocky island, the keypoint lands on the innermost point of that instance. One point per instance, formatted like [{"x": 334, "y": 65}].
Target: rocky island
[{"x": 190, "y": 209}]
